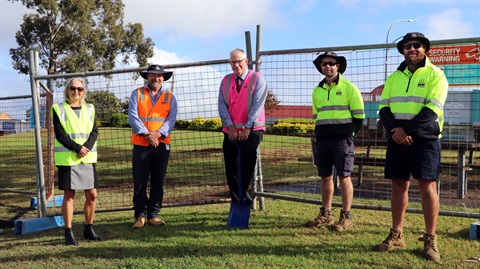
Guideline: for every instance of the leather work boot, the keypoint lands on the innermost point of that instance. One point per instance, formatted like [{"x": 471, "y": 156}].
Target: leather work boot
[
  {"x": 69, "y": 237},
  {"x": 156, "y": 222},
  {"x": 345, "y": 222},
  {"x": 324, "y": 218},
  {"x": 139, "y": 223},
  {"x": 430, "y": 249},
  {"x": 394, "y": 240},
  {"x": 89, "y": 233}
]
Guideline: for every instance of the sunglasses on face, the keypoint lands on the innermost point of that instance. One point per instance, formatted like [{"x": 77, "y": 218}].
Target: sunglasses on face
[
  {"x": 328, "y": 63},
  {"x": 416, "y": 45},
  {"x": 79, "y": 89}
]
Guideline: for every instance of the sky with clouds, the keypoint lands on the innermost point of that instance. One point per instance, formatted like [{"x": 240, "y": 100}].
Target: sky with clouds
[{"x": 191, "y": 30}]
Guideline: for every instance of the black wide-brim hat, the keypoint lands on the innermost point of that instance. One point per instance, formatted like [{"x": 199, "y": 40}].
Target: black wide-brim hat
[
  {"x": 413, "y": 36},
  {"x": 339, "y": 59},
  {"x": 156, "y": 69}
]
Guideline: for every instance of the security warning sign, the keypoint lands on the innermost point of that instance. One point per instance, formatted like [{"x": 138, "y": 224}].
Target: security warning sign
[
  {"x": 461, "y": 64},
  {"x": 455, "y": 54}
]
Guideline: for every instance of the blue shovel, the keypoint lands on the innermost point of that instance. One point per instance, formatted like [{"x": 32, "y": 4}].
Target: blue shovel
[{"x": 239, "y": 211}]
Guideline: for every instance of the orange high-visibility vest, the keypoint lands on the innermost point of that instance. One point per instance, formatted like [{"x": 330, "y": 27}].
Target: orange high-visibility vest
[{"x": 152, "y": 116}]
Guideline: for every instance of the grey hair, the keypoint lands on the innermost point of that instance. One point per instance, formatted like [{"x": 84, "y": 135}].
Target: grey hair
[
  {"x": 238, "y": 51},
  {"x": 67, "y": 85}
]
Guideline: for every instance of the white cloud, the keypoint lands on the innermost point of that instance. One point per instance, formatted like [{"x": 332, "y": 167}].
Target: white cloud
[
  {"x": 200, "y": 19},
  {"x": 192, "y": 30},
  {"x": 164, "y": 57},
  {"x": 448, "y": 24},
  {"x": 11, "y": 15},
  {"x": 304, "y": 6}
]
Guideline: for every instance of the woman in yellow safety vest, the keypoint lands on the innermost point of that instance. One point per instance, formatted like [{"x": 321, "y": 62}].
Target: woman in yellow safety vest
[{"x": 76, "y": 132}]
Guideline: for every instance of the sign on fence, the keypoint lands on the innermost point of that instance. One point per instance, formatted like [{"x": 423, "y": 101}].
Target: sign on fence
[
  {"x": 8, "y": 126},
  {"x": 461, "y": 63}
]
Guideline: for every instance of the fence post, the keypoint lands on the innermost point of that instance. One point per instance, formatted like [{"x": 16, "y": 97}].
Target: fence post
[
  {"x": 259, "y": 177},
  {"x": 33, "y": 70}
]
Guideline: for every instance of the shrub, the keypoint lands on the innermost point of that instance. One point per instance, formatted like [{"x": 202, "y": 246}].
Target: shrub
[
  {"x": 296, "y": 121},
  {"x": 205, "y": 125},
  {"x": 119, "y": 120},
  {"x": 212, "y": 124},
  {"x": 182, "y": 124},
  {"x": 196, "y": 124},
  {"x": 299, "y": 127}
]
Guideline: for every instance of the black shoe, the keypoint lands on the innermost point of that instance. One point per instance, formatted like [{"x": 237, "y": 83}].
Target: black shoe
[
  {"x": 89, "y": 233},
  {"x": 246, "y": 197},
  {"x": 69, "y": 237}
]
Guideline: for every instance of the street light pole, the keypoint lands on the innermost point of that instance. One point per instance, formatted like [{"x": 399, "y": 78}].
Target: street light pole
[{"x": 386, "y": 42}]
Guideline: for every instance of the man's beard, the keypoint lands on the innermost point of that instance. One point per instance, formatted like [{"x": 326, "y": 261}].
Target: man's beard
[
  {"x": 155, "y": 85},
  {"x": 413, "y": 61}
]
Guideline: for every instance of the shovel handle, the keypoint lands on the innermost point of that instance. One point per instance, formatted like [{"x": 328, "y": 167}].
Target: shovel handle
[{"x": 239, "y": 145}]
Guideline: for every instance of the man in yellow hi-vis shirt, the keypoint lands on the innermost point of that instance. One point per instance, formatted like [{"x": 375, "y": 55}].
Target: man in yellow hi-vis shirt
[
  {"x": 338, "y": 110},
  {"x": 411, "y": 109}
]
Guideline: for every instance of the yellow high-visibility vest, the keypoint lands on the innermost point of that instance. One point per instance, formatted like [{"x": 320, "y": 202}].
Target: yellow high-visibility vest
[{"x": 78, "y": 129}]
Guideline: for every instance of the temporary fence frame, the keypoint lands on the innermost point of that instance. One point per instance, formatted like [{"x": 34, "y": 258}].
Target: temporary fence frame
[{"x": 44, "y": 195}]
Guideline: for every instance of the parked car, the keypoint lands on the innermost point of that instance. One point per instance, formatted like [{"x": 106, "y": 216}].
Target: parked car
[{"x": 3, "y": 133}]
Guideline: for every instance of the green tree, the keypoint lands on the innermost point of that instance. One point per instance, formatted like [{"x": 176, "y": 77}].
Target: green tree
[
  {"x": 28, "y": 113},
  {"x": 78, "y": 36},
  {"x": 124, "y": 105},
  {"x": 106, "y": 104}
]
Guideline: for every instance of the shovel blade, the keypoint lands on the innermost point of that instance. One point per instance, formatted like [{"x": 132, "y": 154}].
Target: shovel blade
[{"x": 239, "y": 215}]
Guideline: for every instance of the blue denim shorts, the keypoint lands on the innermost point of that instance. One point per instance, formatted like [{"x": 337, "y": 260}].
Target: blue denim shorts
[{"x": 421, "y": 160}]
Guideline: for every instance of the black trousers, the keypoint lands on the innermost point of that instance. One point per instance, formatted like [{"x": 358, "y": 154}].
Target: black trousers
[
  {"x": 149, "y": 163},
  {"x": 248, "y": 160}
]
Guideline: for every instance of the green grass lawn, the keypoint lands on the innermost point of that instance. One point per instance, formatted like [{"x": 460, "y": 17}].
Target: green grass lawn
[{"x": 196, "y": 237}]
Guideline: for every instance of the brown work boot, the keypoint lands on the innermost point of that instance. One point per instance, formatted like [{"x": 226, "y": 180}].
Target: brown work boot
[
  {"x": 345, "y": 222},
  {"x": 139, "y": 223},
  {"x": 394, "y": 240},
  {"x": 430, "y": 249},
  {"x": 156, "y": 222},
  {"x": 325, "y": 217}
]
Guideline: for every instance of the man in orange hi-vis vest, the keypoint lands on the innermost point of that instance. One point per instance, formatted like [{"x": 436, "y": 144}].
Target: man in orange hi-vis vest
[{"x": 152, "y": 112}]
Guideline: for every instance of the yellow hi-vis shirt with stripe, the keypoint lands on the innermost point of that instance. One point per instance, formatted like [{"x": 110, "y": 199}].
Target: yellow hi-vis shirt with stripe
[
  {"x": 78, "y": 129},
  {"x": 406, "y": 93},
  {"x": 334, "y": 107}
]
